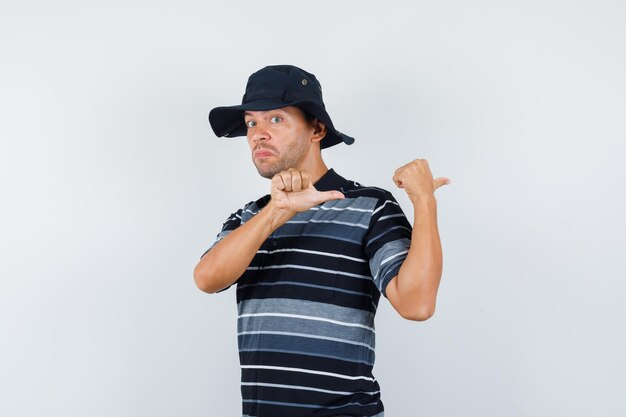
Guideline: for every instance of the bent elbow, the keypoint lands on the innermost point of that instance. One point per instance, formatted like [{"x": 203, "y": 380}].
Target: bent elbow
[
  {"x": 419, "y": 313},
  {"x": 202, "y": 281}
]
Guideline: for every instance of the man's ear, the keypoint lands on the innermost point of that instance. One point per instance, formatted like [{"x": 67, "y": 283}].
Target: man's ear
[{"x": 319, "y": 130}]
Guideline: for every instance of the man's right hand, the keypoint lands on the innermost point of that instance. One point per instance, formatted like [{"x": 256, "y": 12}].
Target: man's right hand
[{"x": 292, "y": 191}]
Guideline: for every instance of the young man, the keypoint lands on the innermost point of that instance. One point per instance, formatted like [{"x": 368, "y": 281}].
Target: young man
[{"x": 311, "y": 258}]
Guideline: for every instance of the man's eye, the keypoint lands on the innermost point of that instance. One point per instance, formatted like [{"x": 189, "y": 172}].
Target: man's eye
[
  {"x": 276, "y": 119},
  {"x": 250, "y": 123}
]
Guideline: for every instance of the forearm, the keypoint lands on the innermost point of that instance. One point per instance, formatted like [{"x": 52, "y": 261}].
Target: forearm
[
  {"x": 228, "y": 259},
  {"x": 419, "y": 276}
]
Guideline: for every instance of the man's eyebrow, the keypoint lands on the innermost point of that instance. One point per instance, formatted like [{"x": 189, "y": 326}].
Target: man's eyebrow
[{"x": 247, "y": 113}]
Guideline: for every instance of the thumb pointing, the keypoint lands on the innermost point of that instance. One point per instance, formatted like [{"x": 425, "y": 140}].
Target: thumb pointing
[{"x": 441, "y": 181}]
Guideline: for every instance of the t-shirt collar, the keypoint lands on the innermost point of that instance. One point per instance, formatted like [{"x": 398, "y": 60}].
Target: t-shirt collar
[{"x": 329, "y": 181}]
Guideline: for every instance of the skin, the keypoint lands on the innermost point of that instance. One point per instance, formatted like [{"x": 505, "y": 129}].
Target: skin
[
  {"x": 282, "y": 133},
  {"x": 294, "y": 164}
]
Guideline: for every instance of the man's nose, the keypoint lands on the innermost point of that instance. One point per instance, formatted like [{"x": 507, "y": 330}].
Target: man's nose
[{"x": 261, "y": 132}]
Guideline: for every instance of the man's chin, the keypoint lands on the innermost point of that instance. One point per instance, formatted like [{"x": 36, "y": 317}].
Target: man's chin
[{"x": 267, "y": 172}]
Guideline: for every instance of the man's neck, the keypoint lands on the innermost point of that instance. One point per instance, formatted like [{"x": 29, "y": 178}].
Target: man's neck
[
  {"x": 313, "y": 164},
  {"x": 315, "y": 170}
]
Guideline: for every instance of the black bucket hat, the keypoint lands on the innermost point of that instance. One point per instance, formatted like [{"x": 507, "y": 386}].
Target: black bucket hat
[{"x": 271, "y": 88}]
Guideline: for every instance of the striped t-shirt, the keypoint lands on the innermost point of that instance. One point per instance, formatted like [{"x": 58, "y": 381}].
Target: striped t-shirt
[{"x": 307, "y": 301}]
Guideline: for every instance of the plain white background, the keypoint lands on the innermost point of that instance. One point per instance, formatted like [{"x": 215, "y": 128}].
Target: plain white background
[{"x": 113, "y": 185}]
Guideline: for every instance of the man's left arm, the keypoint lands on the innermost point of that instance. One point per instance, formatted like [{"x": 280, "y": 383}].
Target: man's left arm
[{"x": 413, "y": 292}]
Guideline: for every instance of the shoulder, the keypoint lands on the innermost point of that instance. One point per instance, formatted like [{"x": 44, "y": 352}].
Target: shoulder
[
  {"x": 353, "y": 189},
  {"x": 249, "y": 209},
  {"x": 384, "y": 210},
  {"x": 253, "y": 207}
]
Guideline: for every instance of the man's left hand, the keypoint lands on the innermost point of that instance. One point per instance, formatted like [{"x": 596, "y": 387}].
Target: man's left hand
[{"x": 417, "y": 180}]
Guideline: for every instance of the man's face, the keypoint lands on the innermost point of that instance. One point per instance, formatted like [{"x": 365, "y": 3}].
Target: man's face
[{"x": 278, "y": 139}]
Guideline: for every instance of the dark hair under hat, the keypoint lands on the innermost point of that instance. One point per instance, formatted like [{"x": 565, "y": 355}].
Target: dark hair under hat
[{"x": 274, "y": 87}]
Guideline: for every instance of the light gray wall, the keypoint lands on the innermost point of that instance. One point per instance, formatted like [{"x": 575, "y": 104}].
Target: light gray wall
[{"x": 113, "y": 186}]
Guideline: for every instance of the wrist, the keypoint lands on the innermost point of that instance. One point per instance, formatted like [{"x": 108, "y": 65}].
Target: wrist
[
  {"x": 423, "y": 199},
  {"x": 276, "y": 217}
]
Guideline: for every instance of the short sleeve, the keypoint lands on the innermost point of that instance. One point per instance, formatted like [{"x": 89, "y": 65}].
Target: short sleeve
[
  {"x": 233, "y": 222},
  {"x": 387, "y": 241}
]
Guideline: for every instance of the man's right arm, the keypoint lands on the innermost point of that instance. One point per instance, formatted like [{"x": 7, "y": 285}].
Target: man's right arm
[
  {"x": 228, "y": 259},
  {"x": 291, "y": 192}
]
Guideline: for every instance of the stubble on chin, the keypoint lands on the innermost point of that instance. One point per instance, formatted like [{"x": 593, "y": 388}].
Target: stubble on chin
[{"x": 267, "y": 173}]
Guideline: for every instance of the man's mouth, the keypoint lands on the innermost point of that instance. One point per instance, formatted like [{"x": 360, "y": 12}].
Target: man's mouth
[{"x": 263, "y": 153}]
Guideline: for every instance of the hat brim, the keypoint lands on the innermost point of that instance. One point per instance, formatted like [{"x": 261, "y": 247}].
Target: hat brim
[{"x": 229, "y": 122}]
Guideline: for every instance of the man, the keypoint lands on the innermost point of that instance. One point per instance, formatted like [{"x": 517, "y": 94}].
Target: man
[{"x": 312, "y": 257}]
